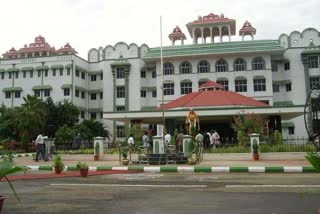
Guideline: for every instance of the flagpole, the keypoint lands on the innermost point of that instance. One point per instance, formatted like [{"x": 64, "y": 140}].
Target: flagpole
[{"x": 161, "y": 70}]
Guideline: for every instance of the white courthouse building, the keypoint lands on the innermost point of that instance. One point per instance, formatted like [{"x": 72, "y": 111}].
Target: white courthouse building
[{"x": 123, "y": 83}]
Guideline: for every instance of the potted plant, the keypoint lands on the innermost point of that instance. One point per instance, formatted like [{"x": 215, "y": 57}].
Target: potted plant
[
  {"x": 125, "y": 161},
  {"x": 83, "y": 167},
  {"x": 96, "y": 152},
  {"x": 255, "y": 150},
  {"x": 7, "y": 168},
  {"x": 58, "y": 164}
]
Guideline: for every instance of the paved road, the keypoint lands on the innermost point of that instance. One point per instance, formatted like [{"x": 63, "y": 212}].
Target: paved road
[{"x": 168, "y": 193}]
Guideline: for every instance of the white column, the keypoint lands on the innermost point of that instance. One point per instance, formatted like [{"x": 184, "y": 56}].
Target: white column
[
  {"x": 99, "y": 140},
  {"x": 182, "y": 41},
  {"x": 229, "y": 32},
  {"x": 220, "y": 33},
  {"x": 172, "y": 42},
  {"x": 194, "y": 36},
  {"x": 211, "y": 34},
  {"x": 202, "y": 36},
  {"x": 252, "y": 36}
]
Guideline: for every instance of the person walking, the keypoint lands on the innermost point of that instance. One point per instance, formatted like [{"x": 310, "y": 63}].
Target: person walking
[
  {"x": 131, "y": 141},
  {"x": 215, "y": 139},
  {"x": 145, "y": 140},
  {"x": 40, "y": 148}
]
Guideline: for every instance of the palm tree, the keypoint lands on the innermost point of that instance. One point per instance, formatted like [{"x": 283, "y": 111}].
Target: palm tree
[{"x": 30, "y": 118}]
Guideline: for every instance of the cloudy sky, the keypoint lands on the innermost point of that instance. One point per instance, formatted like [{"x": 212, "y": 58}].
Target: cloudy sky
[{"x": 89, "y": 24}]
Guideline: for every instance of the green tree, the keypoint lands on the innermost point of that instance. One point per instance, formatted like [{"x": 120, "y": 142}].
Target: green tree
[
  {"x": 67, "y": 114},
  {"x": 30, "y": 118}
]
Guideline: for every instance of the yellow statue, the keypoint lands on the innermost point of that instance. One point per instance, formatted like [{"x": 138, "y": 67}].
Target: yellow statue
[{"x": 191, "y": 121}]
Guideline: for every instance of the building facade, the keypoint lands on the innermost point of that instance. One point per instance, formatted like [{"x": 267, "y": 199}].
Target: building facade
[{"x": 123, "y": 83}]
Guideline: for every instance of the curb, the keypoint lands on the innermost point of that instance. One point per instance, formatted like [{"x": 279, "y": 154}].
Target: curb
[
  {"x": 19, "y": 155},
  {"x": 194, "y": 169}
]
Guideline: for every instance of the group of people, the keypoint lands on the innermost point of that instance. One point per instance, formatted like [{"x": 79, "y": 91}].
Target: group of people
[{"x": 211, "y": 139}]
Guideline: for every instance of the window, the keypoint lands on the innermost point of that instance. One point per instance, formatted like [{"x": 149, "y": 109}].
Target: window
[
  {"x": 313, "y": 62},
  {"x": 93, "y": 78},
  {"x": 46, "y": 92},
  {"x": 83, "y": 95},
  {"x": 10, "y": 75},
  {"x": 68, "y": 71},
  {"x": 224, "y": 83},
  {"x": 121, "y": 92},
  {"x": 143, "y": 74},
  {"x": 24, "y": 74},
  {"x": 154, "y": 93},
  {"x": 93, "y": 96},
  {"x": 257, "y": 63},
  {"x": 168, "y": 68},
  {"x": 101, "y": 115},
  {"x": 17, "y": 75},
  {"x": 93, "y": 115},
  {"x": 168, "y": 88},
  {"x": 314, "y": 83},
  {"x": 221, "y": 66},
  {"x": 186, "y": 87},
  {"x": 77, "y": 93},
  {"x": 239, "y": 65},
  {"x": 83, "y": 75},
  {"x": 241, "y": 85},
  {"x": 120, "y": 108},
  {"x": 77, "y": 73},
  {"x": 201, "y": 82},
  {"x": 288, "y": 87},
  {"x": 185, "y": 68},
  {"x": 82, "y": 114},
  {"x": 274, "y": 67},
  {"x": 46, "y": 73},
  {"x": 61, "y": 72},
  {"x": 259, "y": 85},
  {"x": 275, "y": 88},
  {"x": 143, "y": 93},
  {"x": 203, "y": 67},
  {"x": 66, "y": 92},
  {"x": 101, "y": 76},
  {"x": 53, "y": 72},
  {"x": 154, "y": 74},
  {"x": 287, "y": 66},
  {"x": 37, "y": 93},
  {"x": 17, "y": 94},
  {"x": 31, "y": 74},
  {"x": 120, "y": 131},
  {"x": 120, "y": 73},
  {"x": 101, "y": 95},
  {"x": 2, "y": 75},
  {"x": 39, "y": 73},
  {"x": 291, "y": 130},
  {"x": 8, "y": 94}
]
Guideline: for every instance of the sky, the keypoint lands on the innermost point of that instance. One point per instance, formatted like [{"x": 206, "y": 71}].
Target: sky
[{"x": 87, "y": 24}]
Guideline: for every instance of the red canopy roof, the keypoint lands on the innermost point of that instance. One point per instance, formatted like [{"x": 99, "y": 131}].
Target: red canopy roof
[{"x": 212, "y": 97}]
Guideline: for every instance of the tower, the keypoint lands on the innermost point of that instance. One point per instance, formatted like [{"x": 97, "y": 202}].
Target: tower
[
  {"x": 247, "y": 29},
  {"x": 211, "y": 26},
  {"x": 177, "y": 35}
]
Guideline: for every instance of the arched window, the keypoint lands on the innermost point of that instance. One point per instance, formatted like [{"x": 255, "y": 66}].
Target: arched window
[
  {"x": 221, "y": 66},
  {"x": 240, "y": 84},
  {"x": 203, "y": 66},
  {"x": 258, "y": 64},
  {"x": 185, "y": 68},
  {"x": 239, "y": 65},
  {"x": 224, "y": 83},
  {"x": 168, "y": 68}
]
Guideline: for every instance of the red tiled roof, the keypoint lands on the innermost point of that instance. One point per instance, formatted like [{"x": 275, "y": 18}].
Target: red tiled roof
[
  {"x": 212, "y": 99},
  {"x": 210, "y": 84}
]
